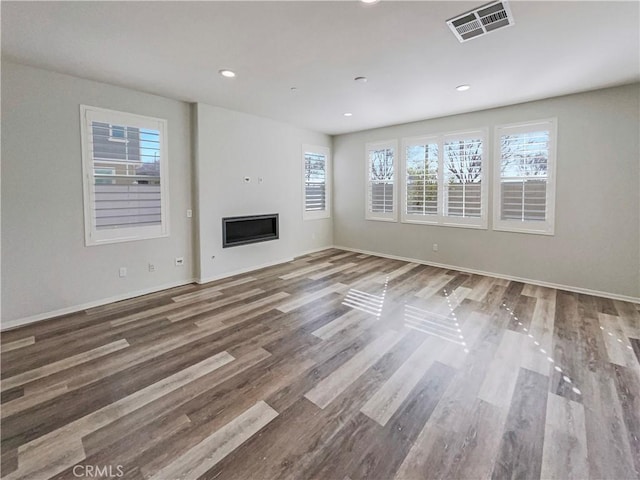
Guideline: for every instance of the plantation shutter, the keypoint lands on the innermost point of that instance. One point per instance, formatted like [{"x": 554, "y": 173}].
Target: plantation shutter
[
  {"x": 381, "y": 178},
  {"x": 124, "y": 164},
  {"x": 421, "y": 179},
  {"x": 523, "y": 176},
  {"x": 315, "y": 186},
  {"x": 463, "y": 176}
]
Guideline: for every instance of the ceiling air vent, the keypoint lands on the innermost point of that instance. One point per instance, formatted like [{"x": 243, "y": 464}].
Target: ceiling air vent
[{"x": 481, "y": 21}]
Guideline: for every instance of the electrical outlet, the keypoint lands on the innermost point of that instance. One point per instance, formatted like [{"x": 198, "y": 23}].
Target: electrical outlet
[
  {"x": 152, "y": 267},
  {"x": 122, "y": 272},
  {"x": 189, "y": 213},
  {"x": 179, "y": 261},
  {"x": 247, "y": 179},
  {"x": 435, "y": 247}
]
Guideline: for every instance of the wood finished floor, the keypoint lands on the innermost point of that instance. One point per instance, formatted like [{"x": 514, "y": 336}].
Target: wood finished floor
[{"x": 334, "y": 366}]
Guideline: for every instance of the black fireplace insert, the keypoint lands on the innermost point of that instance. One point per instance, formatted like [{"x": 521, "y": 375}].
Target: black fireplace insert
[{"x": 249, "y": 229}]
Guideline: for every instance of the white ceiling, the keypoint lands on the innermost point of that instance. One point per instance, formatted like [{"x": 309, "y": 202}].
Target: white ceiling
[{"x": 411, "y": 58}]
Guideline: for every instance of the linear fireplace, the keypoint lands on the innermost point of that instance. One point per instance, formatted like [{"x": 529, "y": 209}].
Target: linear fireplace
[{"x": 249, "y": 229}]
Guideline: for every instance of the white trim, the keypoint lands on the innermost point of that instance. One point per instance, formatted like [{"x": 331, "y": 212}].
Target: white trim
[
  {"x": 405, "y": 217},
  {"x": 587, "y": 291},
  {"x": 258, "y": 267},
  {"x": 326, "y": 213},
  {"x": 481, "y": 222},
  {"x": 264, "y": 265},
  {"x": 117, "y": 139},
  {"x": 377, "y": 216},
  {"x": 240, "y": 271},
  {"x": 440, "y": 219},
  {"x": 76, "y": 308},
  {"x": 92, "y": 236},
  {"x": 6, "y": 325},
  {"x": 313, "y": 250},
  {"x": 540, "y": 228},
  {"x": 117, "y": 298}
]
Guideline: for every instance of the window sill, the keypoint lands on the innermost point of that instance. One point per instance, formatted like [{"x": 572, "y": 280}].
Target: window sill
[
  {"x": 382, "y": 219},
  {"x": 531, "y": 231},
  {"x": 315, "y": 216}
]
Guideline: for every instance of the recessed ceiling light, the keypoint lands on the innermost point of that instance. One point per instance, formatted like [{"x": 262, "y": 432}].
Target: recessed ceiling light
[
  {"x": 361, "y": 79},
  {"x": 463, "y": 88},
  {"x": 347, "y": 114},
  {"x": 369, "y": 1},
  {"x": 227, "y": 73}
]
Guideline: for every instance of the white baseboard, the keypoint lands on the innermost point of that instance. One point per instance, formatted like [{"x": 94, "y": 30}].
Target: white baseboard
[
  {"x": 569, "y": 288},
  {"x": 84, "y": 306},
  {"x": 76, "y": 308},
  {"x": 314, "y": 250},
  {"x": 242, "y": 270},
  {"x": 258, "y": 267}
]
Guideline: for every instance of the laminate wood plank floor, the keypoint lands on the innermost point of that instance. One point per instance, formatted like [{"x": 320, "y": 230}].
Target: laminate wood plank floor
[{"x": 336, "y": 365}]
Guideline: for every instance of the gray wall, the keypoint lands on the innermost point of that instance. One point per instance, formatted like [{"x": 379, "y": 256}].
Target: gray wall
[
  {"x": 596, "y": 244},
  {"x": 45, "y": 264},
  {"x": 46, "y": 267},
  {"x": 230, "y": 146}
]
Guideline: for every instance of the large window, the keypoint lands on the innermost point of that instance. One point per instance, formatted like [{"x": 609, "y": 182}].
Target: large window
[
  {"x": 125, "y": 181},
  {"x": 317, "y": 201},
  {"x": 444, "y": 180},
  {"x": 422, "y": 177},
  {"x": 381, "y": 185},
  {"x": 524, "y": 177}
]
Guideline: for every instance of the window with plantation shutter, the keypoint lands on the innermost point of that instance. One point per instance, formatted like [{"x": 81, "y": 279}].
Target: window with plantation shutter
[
  {"x": 421, "y": 180},
  {"x": 316, "y": 182},
  {"x": 443, "y": 180},
  {"x": 524, "y": 177},
  {"x": 463, "y": 184},
  {"x": 381, "y": 184},
  {"x": 125, "y": 176}
]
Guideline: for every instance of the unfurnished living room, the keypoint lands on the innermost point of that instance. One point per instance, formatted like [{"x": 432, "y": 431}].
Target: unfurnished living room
[{"x": 331, "y": 240}]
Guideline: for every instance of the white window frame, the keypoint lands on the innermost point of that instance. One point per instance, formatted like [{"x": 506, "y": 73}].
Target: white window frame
[
  {"x": 381, "y": 216},
  {"x": 93, "y": 236},
  {"x": 533, "y": 227},
  {"x": 113, "y": 138},
  {"x": 481, "y": 222},
  {"x": 441, "y": 219},
  {"x": 319, "y": 214},
  {"x": 415, "y": 218},
  {"x": 112, "y": 172}
]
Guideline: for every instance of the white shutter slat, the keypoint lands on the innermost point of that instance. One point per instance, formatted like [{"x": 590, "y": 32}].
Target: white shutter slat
[
  {"x": 523, "y": 177},
  {"x": 132, "y": 195},
  {"x": 315, "y": 187},
  {"x": 463, "y": 159},
  {"x": 421, "y": 179},
  {"x": 381, "y": 177}
]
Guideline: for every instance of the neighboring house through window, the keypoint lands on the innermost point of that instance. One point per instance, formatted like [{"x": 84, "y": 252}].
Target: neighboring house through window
[
  {"x": 524, "y": 182},
  {"x": 125, "y": 181},
  {"x": 117, "y": 133}
]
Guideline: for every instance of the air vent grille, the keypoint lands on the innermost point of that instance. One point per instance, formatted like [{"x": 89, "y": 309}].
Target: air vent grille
[{"x": 481, "y": 21}]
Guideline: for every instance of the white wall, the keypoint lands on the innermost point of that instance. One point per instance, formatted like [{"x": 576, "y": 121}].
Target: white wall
[
  {"x": 45, "y": 265},
  {"x": 596, "y": 245},
  {"x": 230, "y": 146}
]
